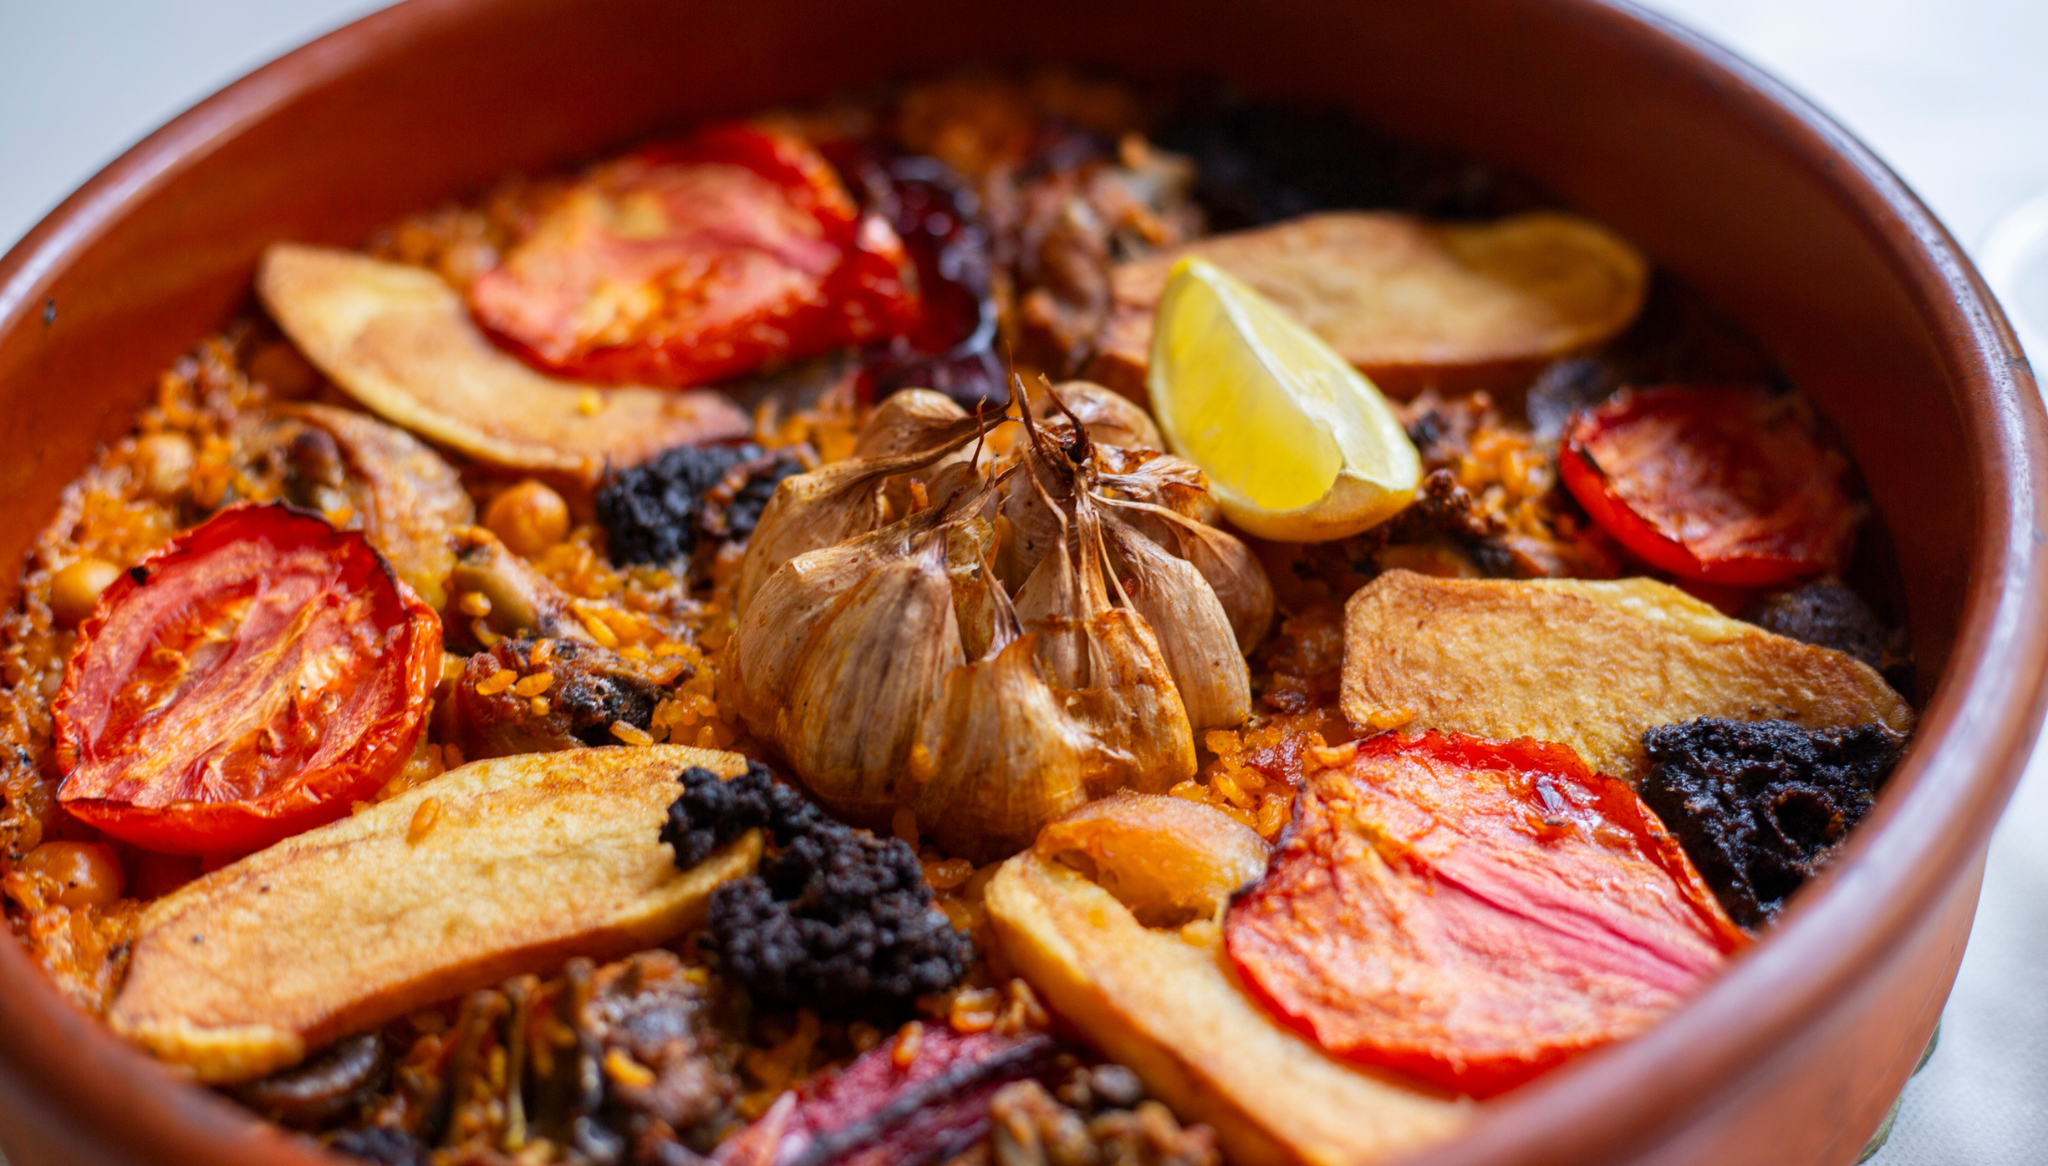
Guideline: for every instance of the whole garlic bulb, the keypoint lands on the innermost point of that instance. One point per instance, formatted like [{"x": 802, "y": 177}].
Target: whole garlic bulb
[{"x": 992, "y": 645}]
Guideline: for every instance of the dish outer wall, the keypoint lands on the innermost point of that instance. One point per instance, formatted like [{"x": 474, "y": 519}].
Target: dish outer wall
[{"x": 1726, "y": 178}]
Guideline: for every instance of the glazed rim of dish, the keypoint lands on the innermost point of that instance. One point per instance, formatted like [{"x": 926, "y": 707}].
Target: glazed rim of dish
[{"x": 1923, "y": 842}]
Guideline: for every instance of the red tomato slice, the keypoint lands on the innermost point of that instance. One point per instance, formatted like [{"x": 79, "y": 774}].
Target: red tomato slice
[
  {"x": 1716, "y": 485},
  {"x": 250, "y": 680},
  {"x": 691, "y": 262},
  {"x": 1474, "y": 912}
]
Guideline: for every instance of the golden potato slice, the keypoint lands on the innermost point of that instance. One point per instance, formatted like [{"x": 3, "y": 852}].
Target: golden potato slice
[
  {"x": 1166, "y": 1003},
  {"x": 402, "y": 342},
  {"x": 1409, "y": 302},
  {"x": 491, "y": 870},
  {"x": 1587, "y": 664}
]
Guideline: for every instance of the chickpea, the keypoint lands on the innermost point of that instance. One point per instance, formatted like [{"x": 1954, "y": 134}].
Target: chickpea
[
  {"x": 77, "y": 588},
  {"x": 528, "y": 518},
  {"x": 165, "y": 463},
  {"x": 88, "y": 872}
]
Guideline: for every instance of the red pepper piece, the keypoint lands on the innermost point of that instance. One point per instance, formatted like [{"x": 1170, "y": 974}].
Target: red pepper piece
[
  {"x": 251, "y": 679},
  {"x": 892, "y": 1106},
  {"x": 1473, "y": 913},
  {"x": 1725, "y": 486},
  {"x": 698, "y": 260}
]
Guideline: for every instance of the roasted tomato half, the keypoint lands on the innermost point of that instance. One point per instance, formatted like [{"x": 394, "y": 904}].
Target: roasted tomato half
[
  {"x": 1725, "y": 486},
  {"x": 1473, "y": 912},
  {"x": 250, "y": 680},
  {"x": 694, "y": 261}
]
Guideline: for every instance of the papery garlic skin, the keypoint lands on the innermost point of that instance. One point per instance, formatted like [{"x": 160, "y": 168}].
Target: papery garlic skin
[
  {"x": 997, "y": 757},
  {"x": 1109, "y": 417},
  {"x": 839, "y": 657},
  {"x": 808, "y": 512},
  {"x": 1192, "y": 629},
  {"x": 908, "y": 421},
  {"x": 850, "y": 498},
  {"x": 1228, "y": 566},
  {"x": 1157, "y": 479},
  {"x": 1109, "y": 662},
  {"x": 869, "y": 675}
]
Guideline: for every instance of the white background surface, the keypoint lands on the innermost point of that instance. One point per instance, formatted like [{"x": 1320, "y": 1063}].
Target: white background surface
[{"x": 1953, "y": 93}]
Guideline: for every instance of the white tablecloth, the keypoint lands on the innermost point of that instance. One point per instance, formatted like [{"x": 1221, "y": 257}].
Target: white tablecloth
[{"x": 1953, "y": 93}]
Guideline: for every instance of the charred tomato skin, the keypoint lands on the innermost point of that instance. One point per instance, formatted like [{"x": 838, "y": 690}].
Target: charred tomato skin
[
  {"x": 251, "y": 679},
  {"x": 1472, "y": 913},
  {"x": 699, "y": 259},
  {"x": 1720, "y": 485}
]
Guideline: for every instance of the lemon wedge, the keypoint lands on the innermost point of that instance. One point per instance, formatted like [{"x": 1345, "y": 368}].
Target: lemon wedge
[{"x": 1298, "y": 445}]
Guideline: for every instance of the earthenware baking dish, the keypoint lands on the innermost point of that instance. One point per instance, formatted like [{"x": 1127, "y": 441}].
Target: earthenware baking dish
[{"x": 1723, "y": 176}]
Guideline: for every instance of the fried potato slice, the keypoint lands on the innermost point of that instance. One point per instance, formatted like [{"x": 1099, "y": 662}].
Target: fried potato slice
[
  {"x": 1589, "y": 664},
  {"x": 400, "y": 340},
  {"x": 1409, "y": 302},
  {"x": 494, "y": 869},
  {"x": 1166, "y": 1002}
]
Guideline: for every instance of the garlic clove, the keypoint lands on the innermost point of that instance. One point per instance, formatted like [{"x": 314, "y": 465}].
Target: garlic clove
[
  {"x": 839, "y": 501},
  {"x": 808, "y": 512},
  {"x": 1192, "y": 628},
  {"x": 997, "y": 757},
  {"x": 980, "y": 607},
  {"x": 768, "y": 650},
  {"x": 865, "y": 680},
  {"x": 1109, "y": 662},
  {"x": 908, "y": 421},
  {"x": 1109, "y": 417},
  {"x": 1031, "y": 525},
  {"x": 1142, "y": 737},
  {"x": 1233, "y": 573},
  {"x": 1158, "y": 479}
]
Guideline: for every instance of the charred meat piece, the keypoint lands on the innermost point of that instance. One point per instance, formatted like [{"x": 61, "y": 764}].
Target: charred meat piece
[
  {"x": 1446, "y": 525},
  {"x": 920, "y": 1097},
  {"x": 315, "y": 1094},
  {"x": 1073, "y": 225},
  {"x": 1444, "y": 507},
  {"x": 1564, "y": 388},
  {"x": 1260, "y": 164},
  {"x": 1827, "y": 613},
  {"x": 590, "y": 690},
  {"x": 650, "y": 1011},
  {"x": 658, "y": 510},
  {"x": 361, "y": 473},
  {"x": 1030, "y": 1127},
  {"x": 1760, "y": 805},
  {"x": 522, "y": 601},
  {"x": 385, "y": 1145},
  {"x": 838, "y": 920}
]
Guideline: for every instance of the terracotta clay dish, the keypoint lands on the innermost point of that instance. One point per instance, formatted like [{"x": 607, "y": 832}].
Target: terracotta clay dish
[{"x": 1341, "y": 584}]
